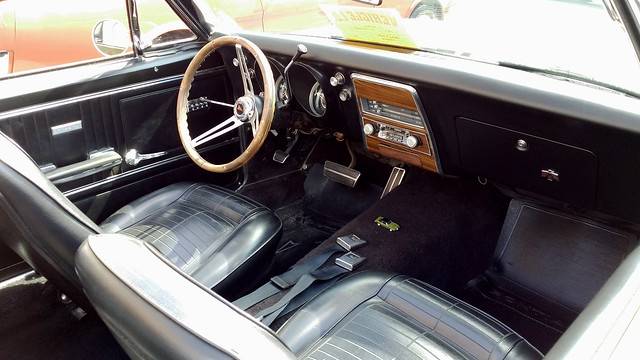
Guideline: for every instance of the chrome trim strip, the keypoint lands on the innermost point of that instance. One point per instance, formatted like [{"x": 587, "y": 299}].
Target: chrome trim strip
[
  {"x": 18, "y": 278},
  {"x": 66, "y": 128},
  {"x": 47, "y": 168},
  {"x": 72, "y": 100},
  {"x": 177, "y": 296},
  {"x": 416, "y": 99}
]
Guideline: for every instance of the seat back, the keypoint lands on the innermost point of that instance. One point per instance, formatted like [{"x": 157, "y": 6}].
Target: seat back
[
  {"x": 155, "y": 311},
  {"x": 37, "y": 221}
]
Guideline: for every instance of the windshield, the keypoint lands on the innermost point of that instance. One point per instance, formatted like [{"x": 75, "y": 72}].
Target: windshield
[{"x": 576, "y": 39}]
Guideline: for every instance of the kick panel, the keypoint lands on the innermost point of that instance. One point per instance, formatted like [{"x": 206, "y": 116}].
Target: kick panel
[{"x": 393, "y": 122}]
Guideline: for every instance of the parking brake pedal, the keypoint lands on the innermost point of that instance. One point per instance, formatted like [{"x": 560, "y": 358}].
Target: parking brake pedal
[
  {"x": 341, "y": 174},
  {"x": 280, "y": 156}
]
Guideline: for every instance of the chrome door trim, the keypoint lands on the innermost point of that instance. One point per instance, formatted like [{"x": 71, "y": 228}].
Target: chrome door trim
[
  {"x": 66, "y": 128},
  {"x": 132, "y": 172},
  {"x": 97, "y": 162},
  {"x": 137, "y": 86}
]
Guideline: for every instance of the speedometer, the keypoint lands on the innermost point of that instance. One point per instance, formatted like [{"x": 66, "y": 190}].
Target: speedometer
[{"x": 317, "y": 101}]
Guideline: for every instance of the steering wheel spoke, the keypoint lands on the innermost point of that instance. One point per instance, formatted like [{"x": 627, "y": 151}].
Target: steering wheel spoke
[
  {"x": 255, "y": 124},
  {"x": 217, "y": 131},
  {"x": 215, "y": 102},
  {"x": 244, "y": 71}
]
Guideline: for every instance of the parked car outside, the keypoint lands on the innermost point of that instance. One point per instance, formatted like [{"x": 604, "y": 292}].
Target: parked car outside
[{"x": 36, "y": 34}]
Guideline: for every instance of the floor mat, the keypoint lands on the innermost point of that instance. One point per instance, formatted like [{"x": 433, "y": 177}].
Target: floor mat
[
  {"x": 547, "y": 267},
  {"x": 35, "y": 325}
]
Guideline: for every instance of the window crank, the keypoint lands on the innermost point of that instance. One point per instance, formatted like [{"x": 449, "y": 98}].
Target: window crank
[{"x": 133, "y": 158}]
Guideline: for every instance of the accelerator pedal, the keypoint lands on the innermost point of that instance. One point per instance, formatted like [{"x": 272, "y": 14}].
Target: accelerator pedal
[{"x": 341, "y": 174}]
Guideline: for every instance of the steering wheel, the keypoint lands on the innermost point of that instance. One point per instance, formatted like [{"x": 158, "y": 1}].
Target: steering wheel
[{"x": 249, "y": 109}]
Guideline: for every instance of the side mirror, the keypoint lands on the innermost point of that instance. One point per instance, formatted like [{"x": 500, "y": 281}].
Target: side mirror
[
  {"x": 111, "y": 37},
  {"x": 370, "y": 2}
]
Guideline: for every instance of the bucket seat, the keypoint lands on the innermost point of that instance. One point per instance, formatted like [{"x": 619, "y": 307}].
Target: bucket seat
[{"x": 215, "y": 235}]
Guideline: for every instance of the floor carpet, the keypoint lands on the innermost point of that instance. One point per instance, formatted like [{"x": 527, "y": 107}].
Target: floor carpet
[{"x": 35, "y": 325}]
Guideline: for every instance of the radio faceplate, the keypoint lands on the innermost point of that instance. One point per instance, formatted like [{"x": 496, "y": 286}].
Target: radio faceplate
[{"x": 393, "y": 122}]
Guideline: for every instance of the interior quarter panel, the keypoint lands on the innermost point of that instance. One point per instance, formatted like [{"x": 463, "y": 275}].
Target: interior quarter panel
[{"x": 603, "y": 123}]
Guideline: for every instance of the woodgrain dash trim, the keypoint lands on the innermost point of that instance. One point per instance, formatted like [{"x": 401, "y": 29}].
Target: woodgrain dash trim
[{"x": 404, "y": 96}]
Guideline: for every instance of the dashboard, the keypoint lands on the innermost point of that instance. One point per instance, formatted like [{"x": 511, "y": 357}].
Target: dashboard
[
  {"x": 391, "y": 119},
  {"x": 555, "y": 141}
]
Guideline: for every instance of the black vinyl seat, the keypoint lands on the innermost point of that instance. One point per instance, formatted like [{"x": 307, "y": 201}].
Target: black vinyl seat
[
  {"x": 381, "y": 316},
  {"x": 154, "y": 311},
  {"x": 213, "y": 234},
  {"x": 210, "y": 233}
]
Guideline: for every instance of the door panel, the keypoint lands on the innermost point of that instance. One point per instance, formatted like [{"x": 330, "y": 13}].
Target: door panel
[{"x": 117, "y": 110}]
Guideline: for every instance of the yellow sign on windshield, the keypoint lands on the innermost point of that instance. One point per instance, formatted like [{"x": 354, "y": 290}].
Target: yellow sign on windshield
[{"x": 376, "y": 25}]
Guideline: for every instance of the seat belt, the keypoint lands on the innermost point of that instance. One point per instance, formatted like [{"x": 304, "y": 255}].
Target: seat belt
[
  {"x": 270, "y": 314},
  {"x": 344, "y": 264},
  {"x": 288, "y": 279}
]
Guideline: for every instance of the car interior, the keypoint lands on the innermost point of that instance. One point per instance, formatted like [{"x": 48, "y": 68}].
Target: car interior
[{"x": 253, "y": 195}]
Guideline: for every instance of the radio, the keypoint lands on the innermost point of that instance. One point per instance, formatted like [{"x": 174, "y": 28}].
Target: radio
[
  {"x": 393, "y": 122},
  {"x": 391, "y": 133}
]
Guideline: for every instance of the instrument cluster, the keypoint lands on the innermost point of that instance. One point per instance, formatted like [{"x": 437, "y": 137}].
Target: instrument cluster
[{"x": 306, "y": 85}]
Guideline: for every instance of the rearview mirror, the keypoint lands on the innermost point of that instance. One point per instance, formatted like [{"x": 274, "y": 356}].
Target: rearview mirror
[
  {"x": 370, "y": 2},
  {"x": 111, "y": 37}
]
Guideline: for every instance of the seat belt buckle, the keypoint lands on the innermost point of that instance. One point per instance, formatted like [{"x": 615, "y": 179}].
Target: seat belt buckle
[
  {"x": 350, "y": 261},
  {"x": 350, "y": 242},
  {"x": 281, "y": 283}
]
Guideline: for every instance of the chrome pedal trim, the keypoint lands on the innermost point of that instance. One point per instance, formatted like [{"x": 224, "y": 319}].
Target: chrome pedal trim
[{"x": 341, "y": 174}]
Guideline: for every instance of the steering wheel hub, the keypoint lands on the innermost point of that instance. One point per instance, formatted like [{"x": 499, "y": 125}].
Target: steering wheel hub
[{"x": 244, "y": 108}]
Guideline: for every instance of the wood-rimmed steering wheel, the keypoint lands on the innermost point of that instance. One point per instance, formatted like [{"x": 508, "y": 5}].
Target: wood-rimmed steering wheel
[{"x": 248, "y": 109}]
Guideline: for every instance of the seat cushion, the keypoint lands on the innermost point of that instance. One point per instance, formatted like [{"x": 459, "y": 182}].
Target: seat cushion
[
  {"x": 382, "y": 316},
  {"x": 209, "y": 232}
]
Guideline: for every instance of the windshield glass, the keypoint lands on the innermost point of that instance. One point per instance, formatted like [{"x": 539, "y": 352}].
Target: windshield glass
[{"x": 577, "y": 39}]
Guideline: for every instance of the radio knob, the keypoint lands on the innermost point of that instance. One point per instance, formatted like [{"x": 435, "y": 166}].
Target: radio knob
[
  {"x": 369, "y": 129},
  {"x": 411, "y": 141}
]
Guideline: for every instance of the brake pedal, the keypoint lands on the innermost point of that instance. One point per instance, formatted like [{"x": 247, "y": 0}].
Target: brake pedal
[
  {"x": 341, "y": 174},
  {"x": 281, "y": 156},
  {"x": 395, "y": 179}
]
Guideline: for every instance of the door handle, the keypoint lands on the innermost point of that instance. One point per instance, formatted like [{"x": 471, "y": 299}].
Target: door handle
[
  {"x": 133, "y": 158},
  {"x": 96, "y": 163}
]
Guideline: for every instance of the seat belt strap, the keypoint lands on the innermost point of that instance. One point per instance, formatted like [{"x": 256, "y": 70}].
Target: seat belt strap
[
  {"x": 287, "y": 279},
  {"x": 270, "y": 314}
]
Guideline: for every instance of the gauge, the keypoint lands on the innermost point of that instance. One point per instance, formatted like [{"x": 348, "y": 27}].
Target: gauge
[
  {"x": 317, "y": 101},
  {"x": 306, "y": 85}
]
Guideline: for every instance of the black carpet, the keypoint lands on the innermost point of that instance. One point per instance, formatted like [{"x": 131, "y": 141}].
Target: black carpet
[
  {"x": 448, "y": 230},
  {"x": 35, "y": 325},
  {"x": 277, "y": 192},
  {"x": 300, "y": 234}
]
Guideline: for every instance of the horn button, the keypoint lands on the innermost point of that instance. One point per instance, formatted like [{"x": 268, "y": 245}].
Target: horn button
[{"x": 244, "y": 108}]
